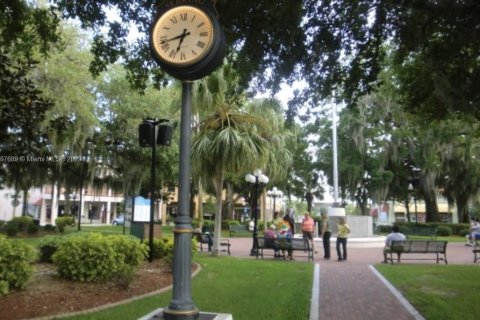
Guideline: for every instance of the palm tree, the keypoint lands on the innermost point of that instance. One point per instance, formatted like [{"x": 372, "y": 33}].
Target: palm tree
[{"x": 230, "y": 139}]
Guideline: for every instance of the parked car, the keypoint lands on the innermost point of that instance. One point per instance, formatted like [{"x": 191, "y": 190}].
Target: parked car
[{"x": 120, "y": 220}]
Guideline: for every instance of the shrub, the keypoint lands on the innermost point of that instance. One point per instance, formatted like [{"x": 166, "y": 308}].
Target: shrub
[
  {"x": 162, "y": 247},
  {"x": 62, "y": 222},
  {"x": 23, "y": 223},
  {"x": 463, "y": 232},
  {"x": 11, "y": 228},
  {"x": 16, "y": 264},
  {"x": 94, "y": 257},
  {"x": 48, "y": 228},
  {"x": 33, "y": 229},
  {"x": 48, "y": 246},
  {"x": 444, "y": 231}
]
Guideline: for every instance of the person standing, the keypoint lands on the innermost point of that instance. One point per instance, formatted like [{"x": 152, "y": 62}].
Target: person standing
[
  {"x": 325, "y": 234},
  {"x": 395, "y": 235},
  {"x": 308, "y": 227},
  {"x": 343, "y": 231}
]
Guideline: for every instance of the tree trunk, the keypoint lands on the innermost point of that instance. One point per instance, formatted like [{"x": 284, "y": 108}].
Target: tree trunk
[
  {"x": 230, "y": 202},
  {"x": 462, "y": 207},
  {"x": 218, "y": 185},
  {"x": 25, "y": 202},
  {"x": 200, "y": 202},
  {"x": 431, "y": 206}
]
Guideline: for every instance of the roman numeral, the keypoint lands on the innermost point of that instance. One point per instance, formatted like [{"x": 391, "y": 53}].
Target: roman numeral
[
  {"x": 194, "y": 53},
  {"x": 165, "y": 46},
  {"x": 204, "y": 34},
  {"x": 193, "y": 18},
  {"x": 201, "y": 44},
  {"x": 172, "y": 54},
  {"x": 183, "y": 16},
  {"x": 200, "y": 24},
  {"x": 174, "y": 20},
  {"x": 183, "y": 56}
]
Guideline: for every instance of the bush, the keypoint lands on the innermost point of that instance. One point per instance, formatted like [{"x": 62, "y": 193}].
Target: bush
[
  {"x": 62, "y": 222},
  {"x": 11, "y": 228},
  {"x": 444, "y": 231},
  {"x": 16, "y": 264},
  {"x": 23, "y": 223},
  {"x": 463, "y": 232},
  {"x": 48, "y": 246},
  {"x": 48, "y": 228},
  {"x": 18, "y": 224},
  {"x": 33, "y": 229},
  {"x": 162, "y": 247},
  {"x": 94, "y": 257}
]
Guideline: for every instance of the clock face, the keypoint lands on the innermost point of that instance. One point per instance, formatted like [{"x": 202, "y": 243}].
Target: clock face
[{"x": 182, "y": 35}]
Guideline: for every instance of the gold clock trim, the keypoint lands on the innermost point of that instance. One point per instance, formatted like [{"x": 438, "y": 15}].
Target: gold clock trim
[{"x": 189, "y": 33}]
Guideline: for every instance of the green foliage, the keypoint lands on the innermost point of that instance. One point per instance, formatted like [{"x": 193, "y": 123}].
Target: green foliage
[
  {"x": 444, "y": 231},
  {"x": 23, "y": 222},
  {"x": 62, "y": 222},
  {"x": 210, "y": 225},
  {"x": 16, "y": 267},
  {"x": 94, "y": 257},
  {"x": 162, "y": 247},
  {"x": 11, "y": 229},
  {"x": 48, "y": 228},
  {"x": 20, "y": 224},
  {"x": 33, "y": 228},
  {"x": 48, "y": 246}
]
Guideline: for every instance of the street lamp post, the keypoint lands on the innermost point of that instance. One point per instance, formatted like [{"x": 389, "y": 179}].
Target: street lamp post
[
  {"x": 257, "y": 181},
  {"x": 274, "y": 194},
  {"x": 150, "y": 136}
]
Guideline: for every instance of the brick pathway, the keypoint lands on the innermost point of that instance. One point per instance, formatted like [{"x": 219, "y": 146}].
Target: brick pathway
[{"x": 352, "y": 290}]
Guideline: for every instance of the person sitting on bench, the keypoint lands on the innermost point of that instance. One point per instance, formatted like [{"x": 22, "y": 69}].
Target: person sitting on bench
[{"x": 394, "y": 235}]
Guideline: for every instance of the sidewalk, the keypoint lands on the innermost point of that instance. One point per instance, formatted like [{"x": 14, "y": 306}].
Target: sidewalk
[{"x": 353, "y": 290}]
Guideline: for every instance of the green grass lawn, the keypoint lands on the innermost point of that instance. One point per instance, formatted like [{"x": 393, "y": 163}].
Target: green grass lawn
[
  {"x": 438, "y": 291},
  {"x": 246, "y": 288}
]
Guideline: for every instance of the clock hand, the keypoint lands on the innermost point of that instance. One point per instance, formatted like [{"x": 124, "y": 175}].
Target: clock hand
[
  {"x": 182, "y": 37},
  {"x": 174, "y": 38}
]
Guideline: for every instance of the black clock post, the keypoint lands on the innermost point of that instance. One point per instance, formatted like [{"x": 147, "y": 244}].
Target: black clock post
[{"x": 188, "y": 43}]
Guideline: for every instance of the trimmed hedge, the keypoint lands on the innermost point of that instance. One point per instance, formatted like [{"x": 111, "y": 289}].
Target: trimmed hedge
[
  {"x": 94, "y": 257},
  {"x": 16, "y": 264},
  {"x": 62, "y": 222},
  {"x": 444, "y": 228}
]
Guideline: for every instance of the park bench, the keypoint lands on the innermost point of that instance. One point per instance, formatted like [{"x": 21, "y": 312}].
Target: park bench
[
  {"x": 412, "y": 231},
  {"x": 225, "y": 243},
  {"x": 476, "y": 248},
  {"x": 402, "y": 248},
  {"x": 238, "y": 229},
  {"x": 295, "y": 244}
]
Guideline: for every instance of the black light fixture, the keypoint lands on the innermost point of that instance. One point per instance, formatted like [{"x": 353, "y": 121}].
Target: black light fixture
[
  {"x": 150, "y": 136},
  {"x": 257, "y": 181}
]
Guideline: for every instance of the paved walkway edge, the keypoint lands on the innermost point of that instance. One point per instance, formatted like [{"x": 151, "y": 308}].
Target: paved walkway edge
[
  {"x": 314, "y": 307},
  {"x": 410, "y": 308}
]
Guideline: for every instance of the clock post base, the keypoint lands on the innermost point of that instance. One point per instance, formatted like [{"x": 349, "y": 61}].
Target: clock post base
[{"x": 159, "y": 315}]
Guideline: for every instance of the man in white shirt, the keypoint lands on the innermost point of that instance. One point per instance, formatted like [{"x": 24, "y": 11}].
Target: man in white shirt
[
  {"x": 472, "y": 232},
  {"x": 394, "y": 235}
]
